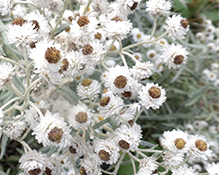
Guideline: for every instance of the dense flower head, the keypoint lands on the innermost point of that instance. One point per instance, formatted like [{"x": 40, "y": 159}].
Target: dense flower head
[
  {"x": 158, "y": 7},
  {"x": 6, "y": 73}
]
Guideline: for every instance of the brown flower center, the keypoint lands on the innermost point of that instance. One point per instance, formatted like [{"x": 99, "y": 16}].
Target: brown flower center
[
  {"x": 48, "y": 171},
  {"x": 127, "y": 94},
  {"x": 87, "y": 49},
  {"x": 34, "y": 171},
  {"x": 52, "y": 55},
  {"x": 180, "y": 143},
  {"x": 104, "y": 101},
  {"x": 151, "y": 55},
  {"x": 36, "y": 25},
  {"x": 64, "y": 66},
  {"x": 19, "y": 21},
  {"x": 116, "y": 18},
  {"x": 98, "y": 36},
  {"x": 81, "y": 117},
  {"x": 82, "y": 171},
  {"x": 55, "y": 135},
  {"x": 138, "y": 35},
  {"x": 178, "y": 59},
  {"x": 72, "y": 150},
  {"x": 82, "y": 21},
  {"x": 201, "y": 145},
  {"x": 86, "y": 82},
  {"x": 104, "y": 155},
  {"x": 120, "y": 81},
  {"x": 113, "y": 47},
  {"x": 70, "y": 18},
  {"x": 123, "y": 144},
  {"x": 184, "y": 23},
  {"x": 154, "y": 92},
  {"x": 133, "y": 7}
]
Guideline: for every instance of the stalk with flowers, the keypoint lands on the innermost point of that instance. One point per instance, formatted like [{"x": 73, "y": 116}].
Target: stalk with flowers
[{"x": 76, "y": 88}]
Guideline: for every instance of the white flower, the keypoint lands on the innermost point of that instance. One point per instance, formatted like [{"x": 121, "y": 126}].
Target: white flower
[
  {"x": 137, "y": 35},
  {"x": 158, "y": 7},
  {"x": 110, "y": 105},
  {"x": 107, "y": 150},
  {"x": 32, "y": 117},
  {"x": 53, "y": 165},
  {"x": 88, "y": 88},
  {"x": 143, "y": 70},
  {"x": 100, "y": 6},
  {"x": 144, "y": 171},
  {"x": 118, "y": 79},
  {"x": 128, "y": 138},
  {"x": 32, "y": 162},
  {"x": 6, "y": 73},
  {"x": 138, "y": 56},
  {"x": 177, "y": 27},
  {"x": 216, "y": 83},
  {"x": 5, "y": 7},
  {"x": 148, "y": 163},
  {"x": 15, "y": 129},
  {"x": 213, "y": 168},
  {"x": 211, "y": 75},
  {"x": 172, "y": 159},
  {"x": 47, "y": 59},
  {"x": 80, "y": 116},
  {"x": 175, "y": 141},
  {"x": 21, "y": 32},
  {"x": 152, "y": 96},
  {"x": 198, "y": 147},
  {"x": 78, "y": 146},
  {"x": 184, "y": 171},
  {"x": 90, "y": 165},
  {"x": 174, "y": 56},
  {"x": 52, "y": 131},
  {"x": 152, "y": 54}
]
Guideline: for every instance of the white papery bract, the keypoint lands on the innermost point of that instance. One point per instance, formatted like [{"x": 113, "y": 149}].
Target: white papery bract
[
  {"x": 144, "y": 171},
  {"x": 174, "y": 56},
  {"x": 175, "y": 141},
  {"x": 172, "y": 159},
  {"x": 53, "y": 165},
  {"x": 80, "y": 116},
  {"x": 31, "y": 117},
  {"x": 15, "y": 129},
  {"x": 5, "y": 6},
  {"x": 107, "y": 150},
  {"x": 128, "y": 139},
  {"x": 152, "y": 96},
  {"x": 6, "y": 73},
  {"x": 212, "y": 168},
  {"x": 90, "y": 164},
  {"x": 175, "y": 27},
  {"x": 52, "y": 131},
  {"x": 184, "y": 170},
  {"x": 88, "y": 91},
  {"x": 149, "y": 163},
  {"x": 158, "y": 7},
  {"x": 143, "y": 70},
  {"x": 198, "y": 147},
  {"x": 32, "y": 162}
]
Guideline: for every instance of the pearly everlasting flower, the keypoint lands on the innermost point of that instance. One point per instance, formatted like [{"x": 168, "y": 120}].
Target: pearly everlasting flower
[
  {"x": 5, "y": 6},
  {"x": 184, "y": 171},
  {"x": 152, "y": 54},
  {"x": 175, "y": 141},
  {"x": 138, "y": 56},
  {"x": 32, "y": 162},
  {"x": 6, "y": 73},
  {"x": 177, "y": 27},
  {"x": 116, "y": 27},
  {"x": 152, "y": 96},
  {"x": 32, "y": 117},
  {"x": 52, "y": 131},
  {"x": 21, "y": 32},
  {"x": 78, "y": 146},
  {"x": 174, "y": 56},
  {"x": 213, "y": 168},
  {"x": 118, "y": 79},
  {"x": 149, "y": 164},
  {"x": 137, "y": 35},
  {"x": 53, "y": 165},
  {"x": 172, "y": 159},
  {"x": 143, "y": 70},
  {"x": 216, "y": 83},
  {"x": 47, "y": 59},
  {"x": 15, "y": 129},
  {"x": 80, "y": 116},
  {"x": 158, "y": 7},
  {"x": 198, "y": 147},
  {"x": 88, "y": 88},
  {"x": 90, "y": 165},
  {"x": 107, "y": 151},
  {"x": 128, "y": 138},
  {"x": 109, "y": 105}
]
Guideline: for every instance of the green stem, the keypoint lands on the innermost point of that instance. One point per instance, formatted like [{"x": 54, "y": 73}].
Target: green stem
[
  {"x": 139, "y": 113},
  {"x": 12, "y": 61},
  {"x": 87, "y": 7},
  {"x": 119, "y": 163},
  {"x": 11, "y": 101},
  {"x": 154, "y": 26},
  {"x": 131, "y": 56},
  {"x": 123, "y": 60},
  {"x": 59, "y": 19}
]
